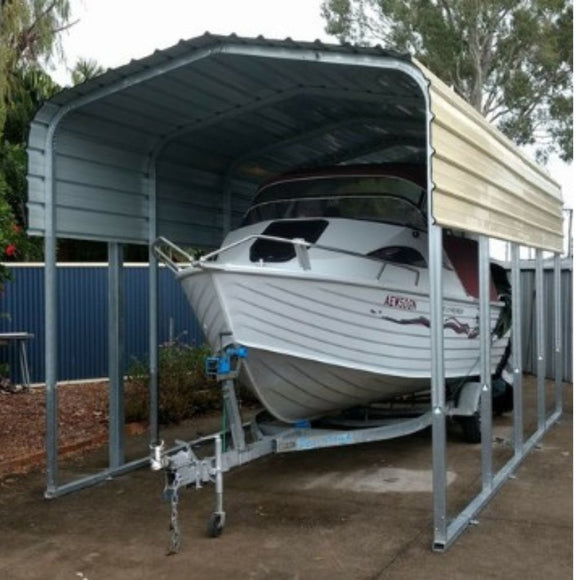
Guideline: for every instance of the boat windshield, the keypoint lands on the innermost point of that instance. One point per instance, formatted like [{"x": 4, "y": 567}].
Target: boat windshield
[{"x": 370, "y": 198}]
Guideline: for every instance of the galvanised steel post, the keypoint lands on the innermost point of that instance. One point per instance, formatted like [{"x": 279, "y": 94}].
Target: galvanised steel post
[
  {"x": 153, "y": 300},
  {"x": 50, "y": 281},
  {"x": 116, "y": 351},
  {"x": 558, "y": 370},
  {"x": 516, "y": 338},
  {"x": 51, "y": 321},
  {"x": 540, "y": 341},
  {"x": 485, "y": 372},
  {"x": 51, "y": 338},
  {"x": 439, "y": 437}
]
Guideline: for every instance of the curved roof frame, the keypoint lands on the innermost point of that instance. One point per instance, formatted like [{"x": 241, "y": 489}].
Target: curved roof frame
[{"x": 289, "y": 54}]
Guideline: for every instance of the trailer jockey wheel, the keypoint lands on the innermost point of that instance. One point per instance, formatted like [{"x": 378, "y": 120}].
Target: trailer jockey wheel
[{"x": 216, "y": 524}]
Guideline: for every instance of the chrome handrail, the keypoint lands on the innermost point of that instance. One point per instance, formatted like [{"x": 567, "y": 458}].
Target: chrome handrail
[
  {"x": 157, "y": 248},
  {"x": 300, "y": 245}
]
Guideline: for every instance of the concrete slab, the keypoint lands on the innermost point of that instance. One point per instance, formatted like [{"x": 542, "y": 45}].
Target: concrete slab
[{"x": 352, "y": 512}]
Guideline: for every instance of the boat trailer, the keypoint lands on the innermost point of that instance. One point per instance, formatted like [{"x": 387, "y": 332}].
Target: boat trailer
[{"x": 239, "y": 443}]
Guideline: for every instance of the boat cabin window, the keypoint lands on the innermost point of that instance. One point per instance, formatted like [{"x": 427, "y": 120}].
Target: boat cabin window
[
  {"x": 406, "y": 255},
  {"x": 400, "y": 255},
  {"x": 275, "y": 251},
  {"x": 371, "y": 198}
]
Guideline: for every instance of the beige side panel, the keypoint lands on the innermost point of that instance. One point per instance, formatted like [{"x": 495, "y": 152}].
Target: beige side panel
[{"x": 483, "y": 182}]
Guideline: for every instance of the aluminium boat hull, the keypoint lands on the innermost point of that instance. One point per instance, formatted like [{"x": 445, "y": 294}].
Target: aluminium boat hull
[{"x": 319, "y": 344}]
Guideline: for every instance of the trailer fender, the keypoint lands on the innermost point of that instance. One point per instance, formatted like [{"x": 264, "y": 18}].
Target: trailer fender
[{"x": 468, "y": 400}]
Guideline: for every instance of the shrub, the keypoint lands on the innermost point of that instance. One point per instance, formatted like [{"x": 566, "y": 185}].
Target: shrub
[
  {"x": 184, "y": 389},
  {"x": 4, "y": 376}
]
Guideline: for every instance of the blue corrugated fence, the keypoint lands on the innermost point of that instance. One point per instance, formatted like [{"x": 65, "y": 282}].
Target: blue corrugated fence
[
  {"x": 83, "y": 318},
  {"x": 83, "y": 333}
]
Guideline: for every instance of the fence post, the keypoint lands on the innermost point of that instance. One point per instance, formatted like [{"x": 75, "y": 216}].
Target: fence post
[{"x": 116, "y": 358}]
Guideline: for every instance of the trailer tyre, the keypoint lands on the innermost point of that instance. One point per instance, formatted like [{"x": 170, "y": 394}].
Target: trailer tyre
[{"x": 471, "y": 427}]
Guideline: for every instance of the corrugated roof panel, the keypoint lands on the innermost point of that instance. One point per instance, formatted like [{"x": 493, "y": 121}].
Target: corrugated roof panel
[
  {"x": 190, "y": 235},
  {"x": 88, "y": 224},
  {"x": 100, "y": 199},
  {"x": 102, "y": 130},
  {"x": 78, "y": 146},
  {"x": 264, "y": 106},
  {"x": 468, "y": 216},
  {"x": 117, "y": 114},
  {"x": 470, "y": 185},
  {"x": 483, "y": 183}
]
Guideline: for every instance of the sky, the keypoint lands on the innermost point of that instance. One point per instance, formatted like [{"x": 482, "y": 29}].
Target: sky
[{"x": 113, "y": 32}]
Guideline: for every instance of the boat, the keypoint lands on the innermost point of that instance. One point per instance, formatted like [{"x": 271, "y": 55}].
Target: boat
[{"x": 326, "y": 284}]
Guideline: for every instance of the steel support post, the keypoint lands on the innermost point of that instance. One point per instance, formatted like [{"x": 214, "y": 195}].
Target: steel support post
[
  {"x": 153, "y": 319},
  {"x": 485, "y": 365},
  {"x": 116, "y": 357},
  {"x": 439, "y": 437},
  {"x": 516, "y": 338},
  {"x": 540, "y": 341},
  {"x": 50, "y": 317},
  {"x": 558, "y": 370},
  {"x": 51, "y": 339}
]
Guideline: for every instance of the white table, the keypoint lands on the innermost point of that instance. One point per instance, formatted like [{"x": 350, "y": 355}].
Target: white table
[{"x": 21, "y": 339}]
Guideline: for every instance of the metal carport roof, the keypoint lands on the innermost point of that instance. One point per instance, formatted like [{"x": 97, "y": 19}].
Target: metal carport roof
[
  {"x": 198, "y": 126},
  {"x": 176, "y": 143}
]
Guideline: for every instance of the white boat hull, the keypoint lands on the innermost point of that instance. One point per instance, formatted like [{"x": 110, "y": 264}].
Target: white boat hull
[{"x": 318, "y": 345}]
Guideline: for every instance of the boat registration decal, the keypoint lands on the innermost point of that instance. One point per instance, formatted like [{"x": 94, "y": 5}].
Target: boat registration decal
[{"x": 400, "y": 302}]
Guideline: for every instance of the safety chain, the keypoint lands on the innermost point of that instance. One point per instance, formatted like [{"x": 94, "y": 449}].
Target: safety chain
[{"x": 174, "y": 531}]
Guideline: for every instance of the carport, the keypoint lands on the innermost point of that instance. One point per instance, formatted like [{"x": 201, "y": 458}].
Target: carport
[{"x": 175, "y": 144}]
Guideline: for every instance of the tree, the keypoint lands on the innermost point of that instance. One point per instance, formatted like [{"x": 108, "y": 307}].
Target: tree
[
  {"x": 510, "y": 59},
  {"x": 85, "y": 69},
  {"x": 29, "y": 41}
]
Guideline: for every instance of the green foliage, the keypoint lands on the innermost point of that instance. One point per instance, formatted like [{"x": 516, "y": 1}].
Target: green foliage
[
  {"x": 85, "y": 69},
  {"x": 511, "y": 59},
  {"x": 28, "y": 40},
  {"x": 32, "y": 88},
  {"x": 8, "y": 236},
  {"x": 184, "y": 390},
  {"x": 4, "y": 376}
]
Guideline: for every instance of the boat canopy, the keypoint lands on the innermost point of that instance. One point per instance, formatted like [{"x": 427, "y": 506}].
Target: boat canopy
[
  {"x": 383, "y": 198},
  {"x": 177, "y": 143}
]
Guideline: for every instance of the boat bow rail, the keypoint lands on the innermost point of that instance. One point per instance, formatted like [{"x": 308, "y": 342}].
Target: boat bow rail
[
  {"x": 160, "y": 248},
  {"x": 161, "y": 245}
]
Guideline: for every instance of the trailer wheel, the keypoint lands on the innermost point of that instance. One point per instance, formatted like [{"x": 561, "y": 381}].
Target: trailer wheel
[
  {"x": 215, "y": 525},
  {"x": 471, "y": 427}
]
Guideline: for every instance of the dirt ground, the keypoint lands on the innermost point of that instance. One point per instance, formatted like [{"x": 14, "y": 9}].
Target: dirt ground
[
  {"x": 83, "y": 424},
  {"x": 353, "y": 512}
]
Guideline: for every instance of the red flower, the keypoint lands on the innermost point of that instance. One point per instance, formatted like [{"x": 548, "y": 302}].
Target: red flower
[{"x": 10, "y": 250}]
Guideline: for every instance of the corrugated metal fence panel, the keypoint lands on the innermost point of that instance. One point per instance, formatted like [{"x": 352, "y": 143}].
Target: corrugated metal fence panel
[
  {"x": 82, "y": 325},
  {"x": 529, "y": 351},
  {"x": 83, "y": 319},
  {"x": 82, "y": 322},
  {"x": 22, "y": 310}
]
